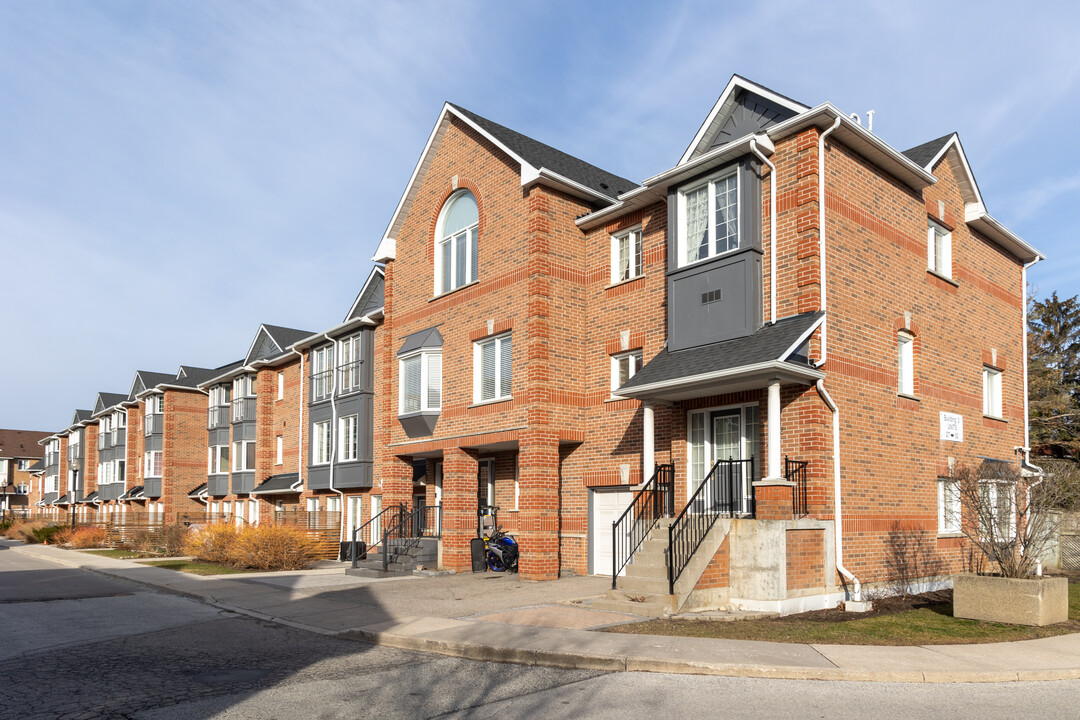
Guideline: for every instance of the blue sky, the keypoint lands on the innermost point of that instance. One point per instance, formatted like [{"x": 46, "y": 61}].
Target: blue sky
[{"x": 173, "y": 174}]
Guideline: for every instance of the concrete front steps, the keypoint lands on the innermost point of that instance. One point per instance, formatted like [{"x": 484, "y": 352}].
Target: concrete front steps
[
  {"x": 643, "y": 589},
  {"x": 404, "y": 556}
]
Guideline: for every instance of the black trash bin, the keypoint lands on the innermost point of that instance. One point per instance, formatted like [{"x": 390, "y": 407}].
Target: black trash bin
[
  {"x": 345, "y": 553},
  {"x": 479, "y": 559}
]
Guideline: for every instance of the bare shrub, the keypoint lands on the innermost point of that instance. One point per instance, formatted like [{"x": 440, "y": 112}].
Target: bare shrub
[
  {"x": 1009, "y": 518},
  {"x": 212, "y": 543},
  {"x": 269, "y": 547},
  {"x": 25, "y": 530},
  {"x": 173, "y": 538},
  {"x": 910, "y": 556}
]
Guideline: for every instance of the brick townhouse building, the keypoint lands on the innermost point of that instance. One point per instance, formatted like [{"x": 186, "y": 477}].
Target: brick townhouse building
[
  {"x": 788, "y": 339},
  {"x": 19, "y": 452}
]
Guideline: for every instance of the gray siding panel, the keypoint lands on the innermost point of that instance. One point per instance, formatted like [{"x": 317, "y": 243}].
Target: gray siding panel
[
  {"x": 243, "y": 482},
  {"x": 220, "y": 436},
  {"x": 350, "y": 475},
  {"x": 217, "y": 485},
  {"x": 153, "y": 442},
  {"x": 152, "y": 487}
]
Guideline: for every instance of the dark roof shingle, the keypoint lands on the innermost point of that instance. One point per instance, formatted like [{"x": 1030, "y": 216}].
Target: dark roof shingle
[{"x": 921, "y": 155}]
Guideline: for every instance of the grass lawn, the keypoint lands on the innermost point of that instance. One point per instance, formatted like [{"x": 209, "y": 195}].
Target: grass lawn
[
  {"x": 114, "y": 553},
  {"x": 932, "y": 625},
  {"x": 198, "y": 568}
]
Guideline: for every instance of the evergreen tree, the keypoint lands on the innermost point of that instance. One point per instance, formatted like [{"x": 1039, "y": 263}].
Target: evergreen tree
[{"x": 1054, "y": 376}]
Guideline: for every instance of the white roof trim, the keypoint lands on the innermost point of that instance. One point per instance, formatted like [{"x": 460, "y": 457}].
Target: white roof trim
[
  {"x": 771, "y": 365},
  {"x": 975, "y": 216},
  {"x": 973, "y": 195},
  {"x": 734, "y": 85},
  {"x": 803, "y": 338},
  {"x": 262, "y": 329},
  {"x": 374, "y": 271}
]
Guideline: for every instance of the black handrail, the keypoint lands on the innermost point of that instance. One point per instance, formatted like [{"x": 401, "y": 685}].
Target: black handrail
[
  {"x": 720, "y": 493},
  {"x": 653, "y": 501},
  {"x": 795, "y": 472},
  {"x": 356, "y": 531},
  {"x": 397, "y": 525}
]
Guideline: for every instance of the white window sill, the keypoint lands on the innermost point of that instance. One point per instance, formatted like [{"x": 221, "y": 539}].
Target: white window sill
[
  {"x": 908, "y": 397},
  {"x": 617, "y": 283},
  {"x": 441, "y": 295},
  {"x": 494, "y": 401},
  {"x": 995, "y": 417},
  {"x": 949, "y": 535}
]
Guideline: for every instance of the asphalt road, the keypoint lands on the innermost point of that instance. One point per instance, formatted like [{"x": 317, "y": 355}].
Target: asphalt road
[{"x": 76, "y": 645}]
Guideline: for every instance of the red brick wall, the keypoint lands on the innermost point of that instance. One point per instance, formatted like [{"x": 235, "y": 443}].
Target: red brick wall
[
  {"x": 184, "y": 443},
  {"x": 716, "y": 574},
  {"x": 805, "y": 559}
]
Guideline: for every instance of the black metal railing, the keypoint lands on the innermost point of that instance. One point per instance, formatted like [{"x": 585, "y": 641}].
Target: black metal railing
[
  {"x": 427, "y": 521},
  {"x": 399, "y": 523},
  {"x": 727, "y": 491},
  {"x": 653, "y": 501},
  {"x": 795, "y": 472},
  {"x": 216, "y": 417},
  {"x": 321, "y": 384},
  {"x": 349, "y": 377}
]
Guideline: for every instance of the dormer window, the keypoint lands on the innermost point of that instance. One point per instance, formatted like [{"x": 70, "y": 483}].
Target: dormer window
[
  {"x": 709, "y": 217},
  {"x": 457, "y": 243}
]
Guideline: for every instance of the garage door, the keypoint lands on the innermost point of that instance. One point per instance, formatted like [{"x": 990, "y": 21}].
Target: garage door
[{"x": 605, "y": 508}]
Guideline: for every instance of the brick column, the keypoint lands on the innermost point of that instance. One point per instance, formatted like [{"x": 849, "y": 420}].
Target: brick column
[
  {"x": 538, "y": 534},
  {"x": 773, "y": 498},
  {"x": 396, "y": 476},
  {"x": 459, "y": 508}
]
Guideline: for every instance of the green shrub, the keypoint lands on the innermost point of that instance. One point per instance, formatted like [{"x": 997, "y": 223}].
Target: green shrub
[{"x": 47, "y": 534}]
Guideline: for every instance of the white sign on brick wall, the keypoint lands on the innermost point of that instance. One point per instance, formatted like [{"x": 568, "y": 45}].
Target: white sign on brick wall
[{"x": 952, "y": 427}]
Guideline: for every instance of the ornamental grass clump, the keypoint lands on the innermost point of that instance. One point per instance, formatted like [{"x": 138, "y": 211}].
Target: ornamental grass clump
[
  {"x": 84, "y": 537},
  {"x": 212, "y": 543},
  {"x": 270, "y": 547}
]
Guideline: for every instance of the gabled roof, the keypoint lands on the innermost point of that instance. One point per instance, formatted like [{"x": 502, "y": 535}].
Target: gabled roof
[
  {"x": 271, "y": 341},
  {"x": 279, "y": 484},
  {"x": 949, "y": 148},
  {"x": 144, "y": 381},
  {"x": 538, "y": 163},
  {"x": 108, "y": 400},
  {"x": 743, "y": 108},
  {"x": 370, "y": 297},
  {"x": 21, "y": 443},
  {"x": 81, "y": 416},
  {"x": 771, "y": 350},
  {"x": 189, "y": 376}
]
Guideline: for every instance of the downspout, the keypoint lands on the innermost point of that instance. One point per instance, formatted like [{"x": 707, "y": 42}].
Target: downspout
[
  {"x": 838, "y": 518},
  {"x": 1026, "y": 461},
  {"x": 772, "y": 230},
  {"x": 333, "y": 434}
]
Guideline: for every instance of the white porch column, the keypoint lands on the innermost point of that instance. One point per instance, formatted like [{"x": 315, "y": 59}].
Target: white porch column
[
  {"x": 648, "y": 443},
  {"x": 774, "y": 471}
]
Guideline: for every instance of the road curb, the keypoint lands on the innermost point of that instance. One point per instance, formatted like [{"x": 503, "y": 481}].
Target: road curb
[{"x": 592, "y": 661}]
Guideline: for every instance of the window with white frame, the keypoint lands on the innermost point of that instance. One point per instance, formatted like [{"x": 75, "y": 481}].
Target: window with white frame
[
  {"x": 948, "y": 507},
  {"x": 349, "y": 365},
  {"x": 313, "y": 504},
  {"x": 333, "y": 504},
  {"x": 626, "y": 255},
  {"x": 155, "y": 404},
  {"x": 991, "y": 392},
  {"x": 322, "y": 368},
  {"x": 243, "y": 455},
  {"x": 23, "y": 464},
  {"x": 281, "y": 385},
  {"x": 938, "y": 249},
  {"x": 320, "y": 442},
  {"x": 709, "y": 218},
  {"x": 998, "y": 512},
  {"x": 347, "y": 438},
  {"x": 420, "y": 388},
  {"x": 152, "y": 463},
  {"x": 457, "y": 243},
  {"x": 905, "y": 368},
  {"x": 624, "y": 367},
  {"x": 492, "y": 369},
  {"x": 218, "y": 461},
  {"x": 279, "y": 448}
]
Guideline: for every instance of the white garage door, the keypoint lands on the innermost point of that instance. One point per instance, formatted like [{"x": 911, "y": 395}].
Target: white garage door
[{"x": 606, "y": 507}]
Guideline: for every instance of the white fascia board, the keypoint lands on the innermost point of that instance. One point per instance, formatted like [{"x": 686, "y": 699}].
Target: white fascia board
[
  {"x": 737, "y": 83},
  {"x": 803, "y": 338},
  {"x": 975, "y": 215},
  {"x": 772, "y": 365},
  {"x": 954, "y": 141},
  {"x": 160, "y": 389},
  {"x": 376, "y": 270},
  {"x": 530, "y": 175},
  {"x": 387, "y": 251},
  {"x": 305, "y": 343},
  {"x": 226, "y": 376},
  {"x": 655, "y": 188},
  {"x": 262, "y": 329},
  {"x": 850, "y": 132}
]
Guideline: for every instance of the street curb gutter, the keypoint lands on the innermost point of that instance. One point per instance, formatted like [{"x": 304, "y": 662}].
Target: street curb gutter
[{"x": 600, "y": 662}]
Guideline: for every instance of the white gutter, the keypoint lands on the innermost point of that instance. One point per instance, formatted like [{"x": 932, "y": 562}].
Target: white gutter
[
  {"x": 334, "y": 431},
  {"x": 1026, "y": 462},
  {"x": 772, "y": 230},
  {"x": 838, "y": 517},
  {"x": 821, "y": 236}
]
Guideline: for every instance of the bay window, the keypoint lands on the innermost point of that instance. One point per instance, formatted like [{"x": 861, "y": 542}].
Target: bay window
[
  {"x": 709, "y": 218},
  {"x": 420, "y": 386}
]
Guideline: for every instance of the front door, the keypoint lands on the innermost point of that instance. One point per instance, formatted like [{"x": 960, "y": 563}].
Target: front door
[{"x": 729, "y": 434}]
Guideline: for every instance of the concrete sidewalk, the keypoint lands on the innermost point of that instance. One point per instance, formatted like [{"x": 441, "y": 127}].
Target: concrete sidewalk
[{"x": 502, "y": 618}]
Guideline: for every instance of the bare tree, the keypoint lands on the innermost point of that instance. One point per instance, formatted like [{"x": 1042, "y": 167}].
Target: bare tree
[
  {"x": 910, "y": 556},
  {"x": 1011, "y": 518}
]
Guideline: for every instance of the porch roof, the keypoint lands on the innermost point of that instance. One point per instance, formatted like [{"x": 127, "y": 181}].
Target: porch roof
[
  {"x": 280, "y": 484},
  {"x": 729, "y": 366}
]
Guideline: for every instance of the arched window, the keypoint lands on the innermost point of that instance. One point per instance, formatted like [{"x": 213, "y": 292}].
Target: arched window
[{"x": 456, "y": 243}]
